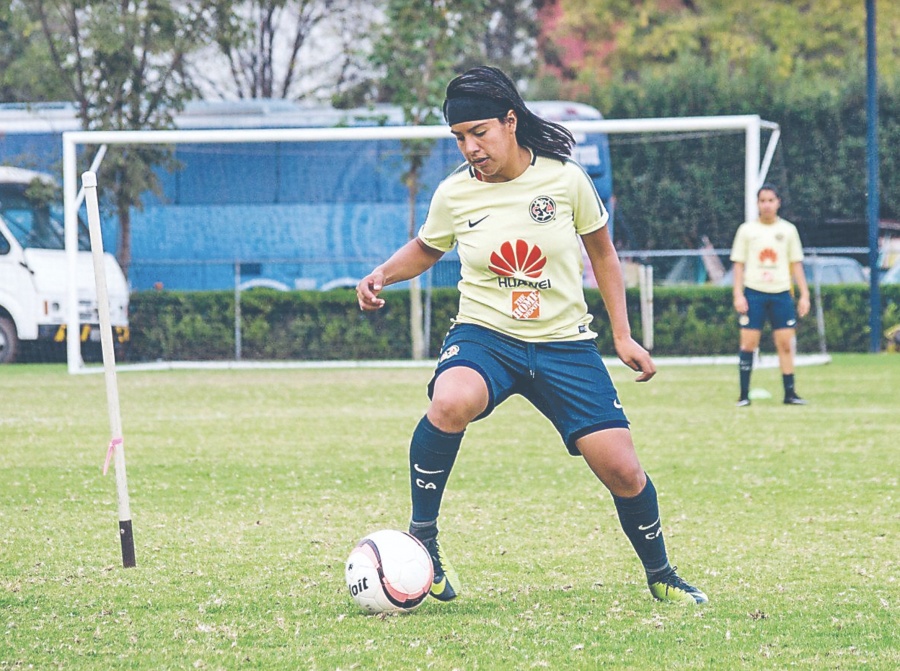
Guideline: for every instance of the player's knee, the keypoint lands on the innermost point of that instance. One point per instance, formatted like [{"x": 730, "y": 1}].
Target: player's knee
[
  {"x": 625, "y": 479},
  {"x": 459, "y": 396},
  {"x": 784, "y": 340},
  {"x": 453, "y": 413}
]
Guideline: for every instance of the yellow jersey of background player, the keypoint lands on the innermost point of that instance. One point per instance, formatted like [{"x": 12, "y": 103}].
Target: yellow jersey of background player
[{"x": 767, "y": 252}]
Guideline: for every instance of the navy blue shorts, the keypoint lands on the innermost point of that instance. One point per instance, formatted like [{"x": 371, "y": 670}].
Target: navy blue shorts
[
  {"x": 566, "y": 381},
  {"x": 778, "y": 309}
]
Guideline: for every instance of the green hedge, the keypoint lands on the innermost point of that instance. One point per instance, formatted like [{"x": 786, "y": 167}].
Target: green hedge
[
  {"x": 669, "y": 194},
  {"x": 329, "y": 325}
]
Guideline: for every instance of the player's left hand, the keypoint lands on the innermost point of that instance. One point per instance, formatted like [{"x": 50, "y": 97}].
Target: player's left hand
[
  {"x": 803, "y": 306},
  {"x": 636, "y": 358}
]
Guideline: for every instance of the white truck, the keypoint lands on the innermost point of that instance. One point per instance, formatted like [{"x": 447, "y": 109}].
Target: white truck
[{"x": 33, "y": 270}]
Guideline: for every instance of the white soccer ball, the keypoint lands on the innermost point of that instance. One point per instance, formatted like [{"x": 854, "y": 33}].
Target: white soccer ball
[{"x": 389, "y": 571}]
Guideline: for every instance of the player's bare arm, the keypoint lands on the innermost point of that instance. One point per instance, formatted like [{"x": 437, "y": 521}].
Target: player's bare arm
[
  {"x": 800, "y": 279},
  {"x": 608, "y": 273},
  {"x": 740, "y": 301},
  {"x": 411, "y": 260}
]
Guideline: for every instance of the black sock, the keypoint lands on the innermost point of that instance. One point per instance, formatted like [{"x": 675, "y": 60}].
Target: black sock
[
  {"x": 424, "y": 531},
  {"x": 788, "y": 381},
  {"x": 746, "y": 367},
  {"x": 639, "y": 517},
  {"x": 431, "y": 456}
]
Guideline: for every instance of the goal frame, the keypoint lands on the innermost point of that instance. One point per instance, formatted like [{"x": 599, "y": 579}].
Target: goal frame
[{"x": 756, "y": 167}]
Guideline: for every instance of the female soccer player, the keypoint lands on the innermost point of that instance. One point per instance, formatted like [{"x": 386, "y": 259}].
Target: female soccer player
[
  {"x": 515, "y": 210},
  {"x": 766, "y": 253}
]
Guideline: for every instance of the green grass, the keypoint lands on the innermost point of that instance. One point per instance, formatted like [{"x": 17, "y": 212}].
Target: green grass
[{"x": 249, "y": 488}]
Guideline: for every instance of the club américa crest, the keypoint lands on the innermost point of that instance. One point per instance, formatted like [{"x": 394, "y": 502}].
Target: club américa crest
[{"x": 542, "y": 209}]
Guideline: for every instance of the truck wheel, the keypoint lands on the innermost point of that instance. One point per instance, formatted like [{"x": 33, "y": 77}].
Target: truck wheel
[{"x": 9, "y": 341}]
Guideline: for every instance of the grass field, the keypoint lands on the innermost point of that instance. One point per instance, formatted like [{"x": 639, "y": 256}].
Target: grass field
[{"x": 249, "y": 488}]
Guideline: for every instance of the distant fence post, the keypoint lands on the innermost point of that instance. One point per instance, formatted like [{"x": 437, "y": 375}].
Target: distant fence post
[
  {"x": 645, "y": 280},
  {"x": 237, "y": 310},
  {"x": 820, "y": 310}
]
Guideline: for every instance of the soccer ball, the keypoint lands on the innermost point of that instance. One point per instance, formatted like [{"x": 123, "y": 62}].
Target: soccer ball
[{"x": 389, "y": 571}]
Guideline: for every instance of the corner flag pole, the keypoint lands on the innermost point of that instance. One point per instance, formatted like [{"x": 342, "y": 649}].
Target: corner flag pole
[{"x": 116, "y": 443}]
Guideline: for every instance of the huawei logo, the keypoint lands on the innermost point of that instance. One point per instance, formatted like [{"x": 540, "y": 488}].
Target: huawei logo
[
  {"x": 768, "y": 255},
  {"x": 520, "y": 260}
]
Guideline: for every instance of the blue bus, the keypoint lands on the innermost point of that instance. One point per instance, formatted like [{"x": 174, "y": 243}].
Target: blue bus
[{"x": 289, "y": 215}]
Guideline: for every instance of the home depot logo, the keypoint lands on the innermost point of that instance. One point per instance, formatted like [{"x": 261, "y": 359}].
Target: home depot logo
[
  {"x": 768, "y": 255},
  {"x": 519, "y": 265},
  {"x": 526, "y": 304}
]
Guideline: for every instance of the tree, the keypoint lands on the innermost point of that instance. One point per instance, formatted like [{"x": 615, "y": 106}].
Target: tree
[
  {"x": 506, "y": 33},
  {"x": 629, "y": 40},
  {"x": 419, "y": 48},
  {"x": 422, "y": 46},
  {"x": 287, "y": 49},
  {"x": 26, "y": 73},
  {"x": 124, "y": 67},
  {"x": 800, "y": 64}
]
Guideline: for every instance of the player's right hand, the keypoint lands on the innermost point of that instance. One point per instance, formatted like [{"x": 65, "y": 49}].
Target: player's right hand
[
  {"x": 367, "y": 291},
  {"x": 740, "y": 304}
]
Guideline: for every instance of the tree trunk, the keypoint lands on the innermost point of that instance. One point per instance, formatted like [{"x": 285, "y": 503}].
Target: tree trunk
[
  {"x": 124, "y": 255},
  {"x": 416, "y": 326},
  {"x": 416, "y": 313}
]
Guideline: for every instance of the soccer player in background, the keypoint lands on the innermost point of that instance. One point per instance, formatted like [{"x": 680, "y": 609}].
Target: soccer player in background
[
  {"x": 515, "y": 211},
  {"x": 766, "y": 254}
]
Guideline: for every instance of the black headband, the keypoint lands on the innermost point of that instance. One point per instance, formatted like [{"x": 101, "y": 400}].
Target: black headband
[{"x": 460, "y": 110}]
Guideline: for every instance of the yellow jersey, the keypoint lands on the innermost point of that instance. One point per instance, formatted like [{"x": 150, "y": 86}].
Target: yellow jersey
[
  {"x": 767, "y": 252},
  {"x": 519, "y": 248}
]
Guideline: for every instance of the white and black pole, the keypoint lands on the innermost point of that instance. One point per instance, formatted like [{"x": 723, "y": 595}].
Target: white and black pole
[{"x": 116, "y": 443}]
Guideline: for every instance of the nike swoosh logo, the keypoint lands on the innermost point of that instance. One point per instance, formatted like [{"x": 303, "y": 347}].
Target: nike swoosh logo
[
  {"x": 616, "y": 404},
  {"x": 424, "y": 472},
  {"x": 473, "y": 224},
  {"x": 649, "y": 526}
]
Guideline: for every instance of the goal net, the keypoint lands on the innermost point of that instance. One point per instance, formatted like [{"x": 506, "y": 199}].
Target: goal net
[{"x": 310, "y": 210}]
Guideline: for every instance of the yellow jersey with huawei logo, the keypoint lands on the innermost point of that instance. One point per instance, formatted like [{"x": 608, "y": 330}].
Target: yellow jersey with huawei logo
[
  {"x": 519, "y": 247},
  {"x": 767, "y": 252}
]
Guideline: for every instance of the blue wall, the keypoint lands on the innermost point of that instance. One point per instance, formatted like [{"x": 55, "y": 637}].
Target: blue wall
[{"x": 298, "y": 214}]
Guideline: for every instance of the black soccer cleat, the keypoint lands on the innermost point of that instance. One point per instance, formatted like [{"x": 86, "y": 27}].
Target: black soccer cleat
[
  {"x": 445, "y": 586},
  {"x": 793, "y": 399},
  {"x": 671, "y": 587}
]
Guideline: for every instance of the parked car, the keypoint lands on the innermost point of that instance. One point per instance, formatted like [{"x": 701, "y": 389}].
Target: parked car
[
  {"x": 834, "y": 270},
  {"x": 33, "y": 269},
  {"x": 827, "y": 269},
  {"x": 892, "y": 276}
]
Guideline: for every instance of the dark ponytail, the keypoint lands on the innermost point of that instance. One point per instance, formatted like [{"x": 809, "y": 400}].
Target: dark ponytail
[{"x": 543, "y": 137}]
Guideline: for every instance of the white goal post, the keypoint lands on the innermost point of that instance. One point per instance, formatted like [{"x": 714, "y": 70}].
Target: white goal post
[{"x": 755, "y": 167}]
